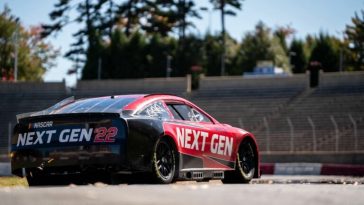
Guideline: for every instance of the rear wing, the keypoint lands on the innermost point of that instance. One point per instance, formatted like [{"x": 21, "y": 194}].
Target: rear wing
[{"x": 46, "y": 111}]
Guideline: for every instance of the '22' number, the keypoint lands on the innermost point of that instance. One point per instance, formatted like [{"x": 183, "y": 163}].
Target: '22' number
[{"x": 105, "y": 135}]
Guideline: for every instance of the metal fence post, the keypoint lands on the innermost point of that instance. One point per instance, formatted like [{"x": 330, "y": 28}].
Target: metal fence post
[
  {"x": 189, "y": 83},
  {"x": 240, "y": 121},
  {"x": 267, "y": 134},
  {"x": 336, "y": 133},
  {"x": 313, "y": 133},
  {"x": 291, "y": 128},
  {"x": 9, "y": 137},
  {"x": 355, "y": 128}
]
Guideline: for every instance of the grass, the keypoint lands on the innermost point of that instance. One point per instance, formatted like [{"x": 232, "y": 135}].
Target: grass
[{"x": 12, "y": 181}]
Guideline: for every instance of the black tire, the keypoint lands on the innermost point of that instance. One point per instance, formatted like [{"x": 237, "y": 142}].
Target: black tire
[
  {"x": 36, "y": 178},
  {"x": 35, "y": 181},
  {"x": 245, "y": 165},
  {"x": 43, "y": 180},
  {"x": 164, "y": 161}
]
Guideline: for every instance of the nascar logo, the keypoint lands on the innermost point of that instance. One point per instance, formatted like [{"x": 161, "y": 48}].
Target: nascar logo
[{"x": 41, "y": 124}]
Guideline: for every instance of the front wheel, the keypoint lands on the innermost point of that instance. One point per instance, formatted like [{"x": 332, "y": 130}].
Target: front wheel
[
  {"x": 245, "y": 165},
  {"x": 164, "y": 161}
]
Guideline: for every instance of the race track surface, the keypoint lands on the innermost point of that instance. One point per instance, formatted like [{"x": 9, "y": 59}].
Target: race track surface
[{"x": 267, "y": 190}]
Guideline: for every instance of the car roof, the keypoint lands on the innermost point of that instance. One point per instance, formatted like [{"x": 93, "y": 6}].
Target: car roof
[
  {"x": 139, "y": 100},
  {"x": 111, "y": 103},
  {"x": 146, "y": 99}
]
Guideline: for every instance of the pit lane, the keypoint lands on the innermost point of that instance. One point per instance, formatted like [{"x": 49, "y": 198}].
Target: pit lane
[{"x": 267, "y": 190}]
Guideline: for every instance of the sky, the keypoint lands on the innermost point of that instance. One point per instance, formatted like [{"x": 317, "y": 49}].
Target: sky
[{"x": 305, "y": 16}]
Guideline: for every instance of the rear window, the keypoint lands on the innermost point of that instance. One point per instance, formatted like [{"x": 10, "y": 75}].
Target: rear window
[{"x": 96, "y": 105}]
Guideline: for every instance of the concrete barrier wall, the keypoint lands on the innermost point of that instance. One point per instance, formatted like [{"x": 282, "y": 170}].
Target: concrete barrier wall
[
  {"x": 131, "y": 86},
  {"x": 24, "y": 97},
  {"x": 32, "y": 87},
  {"x": 311, "y": 169},
  {"x": 5, "y": 169},
  {"x": 350, "y": 78},
  {"x": 329, "y": 157},
  {"x": 238, "y": 82}
]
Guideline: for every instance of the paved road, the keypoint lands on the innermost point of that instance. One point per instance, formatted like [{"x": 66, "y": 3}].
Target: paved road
[{"x": 268, "y": 190}]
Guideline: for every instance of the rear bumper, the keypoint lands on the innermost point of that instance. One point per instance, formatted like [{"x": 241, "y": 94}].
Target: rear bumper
[
  {"x": 68, "y": 160},
  {"x": 54, "y": 143}
]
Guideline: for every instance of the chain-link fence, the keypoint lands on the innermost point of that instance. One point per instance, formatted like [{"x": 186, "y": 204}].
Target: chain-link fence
[
  {"x": 343, "y": 133},
  {"x": 303, "y": 134}
]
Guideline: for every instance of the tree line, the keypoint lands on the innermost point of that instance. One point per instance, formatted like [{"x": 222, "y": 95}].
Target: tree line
[
  {"x": 140, "y": 56},
  {"x": 136, "y": 23},
  {"x": 24, "y": 47},
  {"x": 141, "y": 38}
]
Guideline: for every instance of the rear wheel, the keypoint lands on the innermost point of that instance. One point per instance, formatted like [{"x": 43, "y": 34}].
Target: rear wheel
[
  {"x": 37, "y": 178},
  {"x": 164, "y": 161},
  {"x": 43, "y": 180},
  {"x": 35, "y": 181},
  {"x": 245, "y": 165}
]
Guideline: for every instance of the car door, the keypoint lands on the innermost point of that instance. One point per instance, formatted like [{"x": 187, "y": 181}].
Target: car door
[{"x": 202, "y": 142}]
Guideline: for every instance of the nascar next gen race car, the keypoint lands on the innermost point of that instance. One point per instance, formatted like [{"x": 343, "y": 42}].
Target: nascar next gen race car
[{"x": 164, "y": 136}]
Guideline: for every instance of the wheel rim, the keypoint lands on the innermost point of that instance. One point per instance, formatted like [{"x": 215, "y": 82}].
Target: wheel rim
[
  {"x": 246, "y": 159},
  {"x": 164, "y": 160}
]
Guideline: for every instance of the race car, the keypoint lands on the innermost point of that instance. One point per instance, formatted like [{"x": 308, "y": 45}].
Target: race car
[{"x": 162, "y": 135}]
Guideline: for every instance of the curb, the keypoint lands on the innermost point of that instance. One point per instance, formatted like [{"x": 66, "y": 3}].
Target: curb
[
  {"x": 278, "y": 169},
  {"x": 311, "y": 169}
]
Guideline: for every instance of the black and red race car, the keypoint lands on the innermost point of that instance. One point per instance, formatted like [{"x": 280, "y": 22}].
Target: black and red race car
[{"x": 163, "y": 135}]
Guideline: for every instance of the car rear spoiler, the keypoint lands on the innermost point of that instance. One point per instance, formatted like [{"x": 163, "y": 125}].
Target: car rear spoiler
[{"x": 46, "y": 111}]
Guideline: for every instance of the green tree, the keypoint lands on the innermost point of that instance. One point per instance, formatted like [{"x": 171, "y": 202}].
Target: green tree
[
  {"x": 35, "y": 56},
  {"x": 125, "y": 56},
  {"x": 261, "y": 45},
  {"x": 327, "y": 52},
  {"x": 212, "y": 54},
  {"x": 89, "y": 14},
  {"x": 181, "y": 11},
  {"x": 114, "y": 56},
  {"x": 282, "y": 33},
  {"x": 309, "y": 44},
  {"x": 355, "y": 40},
  {"x": 280, "y": 57},
  {"x": 158, "y": 49},
  {"x": 298, "y": 56},
  {"x": 192, "y": 55},
  {"x": 232, "y": 48},
  {"x": 98, "y": 19},
  {"x": 185, "y": 9},
  {"x": 137, "y": 55},
  {"x": 226, "y": 7}
]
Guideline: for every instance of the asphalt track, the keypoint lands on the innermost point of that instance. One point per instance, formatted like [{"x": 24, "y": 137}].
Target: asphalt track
[{"x": 267, "y": 190}]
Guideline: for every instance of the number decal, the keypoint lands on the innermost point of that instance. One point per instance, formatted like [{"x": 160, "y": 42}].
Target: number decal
[
  {"x": 105, "y": 135},
  {"x": 100, "y": 134},
  {"x": 111, "y": 133}
]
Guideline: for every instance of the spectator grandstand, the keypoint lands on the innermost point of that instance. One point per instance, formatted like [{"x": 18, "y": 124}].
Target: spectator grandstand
[
  {"x": 24, "y": 97},
  {"x": 283, "y": 112},
  {"x": 267, "y": 106},
  {"x": 92, "y": 88}
]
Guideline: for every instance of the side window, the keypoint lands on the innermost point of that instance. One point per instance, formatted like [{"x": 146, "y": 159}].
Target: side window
[
  {"x": 183, "y": 110},
  {"x": 174, "y": 112},
  {"x": 198, "y": 117},
  {"x": 189, "y": 113},
  {"x": 155, "y": 110}
]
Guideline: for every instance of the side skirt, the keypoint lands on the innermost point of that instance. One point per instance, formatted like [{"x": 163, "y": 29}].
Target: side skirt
[{"x": 201, "y": 175}]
